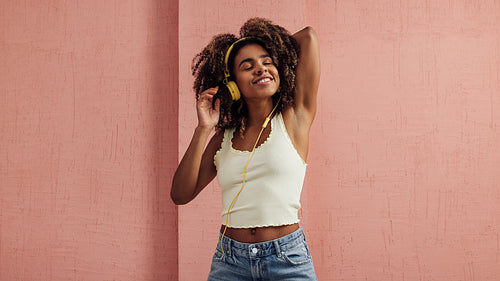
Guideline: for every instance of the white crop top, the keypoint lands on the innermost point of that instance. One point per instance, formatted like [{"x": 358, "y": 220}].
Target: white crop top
[{"x": 273, "y": 181}]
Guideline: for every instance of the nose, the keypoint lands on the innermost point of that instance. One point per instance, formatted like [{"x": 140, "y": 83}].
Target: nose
[{"x": 261, "y": 68}]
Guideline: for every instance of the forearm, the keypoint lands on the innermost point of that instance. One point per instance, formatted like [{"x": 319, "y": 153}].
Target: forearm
[{"x": 185, "y": 178}]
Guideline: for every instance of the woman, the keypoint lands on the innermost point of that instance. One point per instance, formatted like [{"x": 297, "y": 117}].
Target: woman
[{"x": 241, "y": 84}]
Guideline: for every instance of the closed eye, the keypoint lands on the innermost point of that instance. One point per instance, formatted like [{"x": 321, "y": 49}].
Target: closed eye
[
  {"x": 248, "y": 63},
  {"x": 266, "y": 60}
]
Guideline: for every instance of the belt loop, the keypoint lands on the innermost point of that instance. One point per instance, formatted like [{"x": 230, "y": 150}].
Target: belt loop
[
  {"x": 277, "y": 248},
  {"x": 228, "y": 247}
]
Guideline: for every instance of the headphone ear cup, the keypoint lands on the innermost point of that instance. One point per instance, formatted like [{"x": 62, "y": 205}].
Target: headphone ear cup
[{"x": 233, "y": 89}]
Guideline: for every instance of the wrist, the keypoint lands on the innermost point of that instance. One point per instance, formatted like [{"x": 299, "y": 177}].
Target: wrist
[{"x": 204, "y": 129}]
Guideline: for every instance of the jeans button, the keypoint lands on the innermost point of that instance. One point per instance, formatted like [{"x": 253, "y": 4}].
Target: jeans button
[{"x": 254, "y": 250}]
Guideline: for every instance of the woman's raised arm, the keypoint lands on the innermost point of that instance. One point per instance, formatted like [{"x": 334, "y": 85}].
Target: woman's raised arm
[{"x": 308, "y": 73}]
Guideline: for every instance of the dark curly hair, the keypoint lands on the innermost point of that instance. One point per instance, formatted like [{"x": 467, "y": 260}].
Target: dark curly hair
[{"x": 208, "y": 67}]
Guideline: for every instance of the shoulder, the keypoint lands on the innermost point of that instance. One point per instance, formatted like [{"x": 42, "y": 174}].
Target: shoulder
[
  {"x": 211, "y": 149},
  {"x": 217, "y": 139}
]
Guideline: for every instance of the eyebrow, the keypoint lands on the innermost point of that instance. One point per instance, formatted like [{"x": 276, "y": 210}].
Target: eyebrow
[{"x": 250, "y": 59}]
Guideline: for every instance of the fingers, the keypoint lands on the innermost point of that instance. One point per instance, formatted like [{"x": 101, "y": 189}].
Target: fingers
[
  {"x": 208, "y": 93},
  {"x": 214, "y": 90},
  {"x": 207, "y": 108},
  {"x": 206, "y": 100}
]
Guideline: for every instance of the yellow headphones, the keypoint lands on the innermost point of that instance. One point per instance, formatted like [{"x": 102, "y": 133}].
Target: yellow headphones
[{"x": 231, "y": 85}]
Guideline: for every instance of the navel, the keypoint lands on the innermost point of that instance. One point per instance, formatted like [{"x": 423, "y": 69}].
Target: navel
[{"x": 253, "y": 231}]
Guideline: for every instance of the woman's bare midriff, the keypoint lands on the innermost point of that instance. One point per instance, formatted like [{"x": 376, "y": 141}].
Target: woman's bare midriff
[{"x": 259, "y": 234}]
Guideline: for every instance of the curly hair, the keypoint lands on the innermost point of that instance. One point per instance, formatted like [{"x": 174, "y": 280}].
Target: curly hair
[{"x": 208, "y": 67}]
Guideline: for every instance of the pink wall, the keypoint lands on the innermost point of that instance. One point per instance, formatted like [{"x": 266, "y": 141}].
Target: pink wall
[
  {"x": 404, "y": 175},
  {"x": 88, "y": 119},
  {"x": 96, "y": 108}
]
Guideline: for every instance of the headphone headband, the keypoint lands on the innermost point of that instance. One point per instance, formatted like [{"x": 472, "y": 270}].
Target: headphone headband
[{"x": 228, "y": 53}]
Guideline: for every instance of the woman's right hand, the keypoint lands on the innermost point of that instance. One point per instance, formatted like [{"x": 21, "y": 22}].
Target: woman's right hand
[{"x": 208, "y": 116}]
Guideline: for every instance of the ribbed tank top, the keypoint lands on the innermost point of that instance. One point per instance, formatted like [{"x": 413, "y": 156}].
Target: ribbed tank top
[{"x": 274, "y": 180}]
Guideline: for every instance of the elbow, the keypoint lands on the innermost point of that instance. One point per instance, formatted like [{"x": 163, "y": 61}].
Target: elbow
[
  {"x": 309, "y": 34},
  {"x": 310, "y": 31},
  {"x": 307, "y": 38},
  {"x": 179, "y": 200},
  {"x": 312, "y": 37}
]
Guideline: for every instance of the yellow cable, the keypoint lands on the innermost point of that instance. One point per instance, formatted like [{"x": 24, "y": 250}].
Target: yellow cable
[{"x": 264, "y": 125}]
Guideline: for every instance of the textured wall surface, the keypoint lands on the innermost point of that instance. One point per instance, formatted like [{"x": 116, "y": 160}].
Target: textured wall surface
[
  {"x": 404, "y": 175},
  {"x": 96, "y": 108},
  {"x": 88, "y": 143}
]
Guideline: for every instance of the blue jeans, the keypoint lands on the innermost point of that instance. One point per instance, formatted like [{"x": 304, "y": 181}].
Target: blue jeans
[{"x": 286, "y": 258}]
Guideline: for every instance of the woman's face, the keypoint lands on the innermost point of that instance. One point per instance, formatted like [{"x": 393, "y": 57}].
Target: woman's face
[{"x": 255, "y": 72}]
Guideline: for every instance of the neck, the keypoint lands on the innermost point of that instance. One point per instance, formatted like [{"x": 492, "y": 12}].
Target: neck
[{"x": 258, "y": 111}]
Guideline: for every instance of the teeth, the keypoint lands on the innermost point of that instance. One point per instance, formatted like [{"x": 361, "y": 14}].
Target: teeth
[{"x": 264, "y": 80}]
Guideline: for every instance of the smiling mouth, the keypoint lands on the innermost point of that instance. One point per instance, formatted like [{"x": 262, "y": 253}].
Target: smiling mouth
[{"x": 263, "y": 80}]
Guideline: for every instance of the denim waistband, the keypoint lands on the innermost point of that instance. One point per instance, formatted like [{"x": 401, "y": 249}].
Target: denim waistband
[{"x": 277, "y": 246}]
